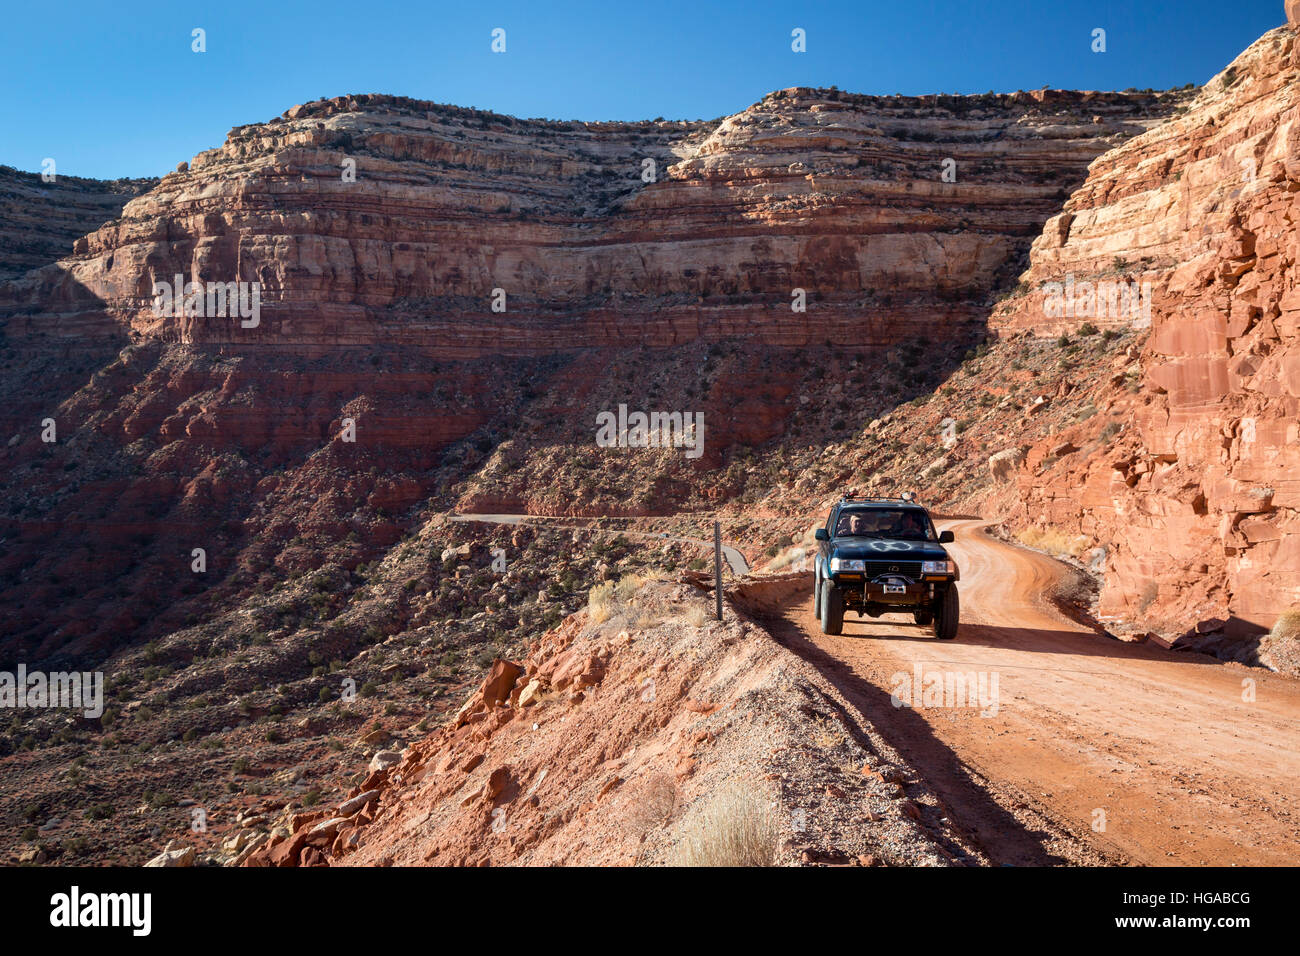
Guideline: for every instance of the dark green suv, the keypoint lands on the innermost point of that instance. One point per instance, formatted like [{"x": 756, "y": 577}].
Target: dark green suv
[{"x": 880, "y": 555}]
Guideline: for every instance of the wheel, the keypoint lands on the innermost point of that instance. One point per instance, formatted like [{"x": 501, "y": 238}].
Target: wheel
[
  {"x": 924, "y": 616},
  {"x": 832, "y": 609},
  {"x": 947, "y": 613},
  {"x": 817, "y": 593}
]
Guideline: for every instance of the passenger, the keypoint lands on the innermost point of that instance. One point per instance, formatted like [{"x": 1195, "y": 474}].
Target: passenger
[{"x": 851, "y": 524}]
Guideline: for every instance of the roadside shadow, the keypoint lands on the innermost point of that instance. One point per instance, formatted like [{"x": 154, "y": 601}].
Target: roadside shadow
[
  {"x": 1029, "y": 640},
  {"x": 1004, "y": 839}
]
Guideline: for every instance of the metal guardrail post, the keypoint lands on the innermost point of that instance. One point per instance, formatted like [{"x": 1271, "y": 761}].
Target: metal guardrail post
[{"x": 717, "y": 565}]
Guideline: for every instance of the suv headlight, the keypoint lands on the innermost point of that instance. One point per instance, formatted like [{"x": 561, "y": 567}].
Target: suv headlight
[
  {"x": 937, "y": 567},
  {"x": 847, "y": 564}
]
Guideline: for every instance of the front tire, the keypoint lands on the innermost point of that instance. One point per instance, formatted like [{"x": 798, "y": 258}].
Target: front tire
[
  {"x": 947, "y": 614},
  {"x": 832, "y": 609},
  {"x": 817, "y": 593}
]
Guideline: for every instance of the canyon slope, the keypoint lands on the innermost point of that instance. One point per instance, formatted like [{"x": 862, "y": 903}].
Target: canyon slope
[
  {"x": 1198, "y": 504},
  {"x": 183, "y": 432}
]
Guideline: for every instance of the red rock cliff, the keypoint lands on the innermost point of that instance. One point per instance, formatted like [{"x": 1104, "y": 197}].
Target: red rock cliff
[{"x": 1200, "y": 510}]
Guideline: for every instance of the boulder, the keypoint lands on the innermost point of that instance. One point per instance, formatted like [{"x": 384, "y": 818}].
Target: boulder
[
  {"x": 384, "y": 759},
  {"x": 1003, "y": 465},
  {"x": 499, "y": 682},
  {"x": 174, "y": 856},
  {"x": 349, "y": 807}
]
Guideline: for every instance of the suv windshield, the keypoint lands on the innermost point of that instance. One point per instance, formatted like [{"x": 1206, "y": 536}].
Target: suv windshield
[{"x": 901, "y": 524}]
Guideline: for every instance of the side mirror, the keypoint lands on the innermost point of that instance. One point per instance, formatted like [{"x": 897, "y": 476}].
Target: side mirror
[
  {"x": 946, "y": 537},
  {"x": 821, "y": 535}
]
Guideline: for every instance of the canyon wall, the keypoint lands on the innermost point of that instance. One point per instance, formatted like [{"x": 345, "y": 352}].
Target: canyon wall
[
  {"x": 1198, "y": 504},
  {"x": 607, "y": 239},
  {"x": 618, "y": 234},
  {"x": 40, "y": 221}
]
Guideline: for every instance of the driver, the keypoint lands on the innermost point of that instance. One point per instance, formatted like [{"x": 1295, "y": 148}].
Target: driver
[{"x": 912, "y": 527}]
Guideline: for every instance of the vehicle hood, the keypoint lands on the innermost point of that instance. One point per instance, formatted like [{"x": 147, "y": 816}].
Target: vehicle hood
[{"x": 887, "y": 549}]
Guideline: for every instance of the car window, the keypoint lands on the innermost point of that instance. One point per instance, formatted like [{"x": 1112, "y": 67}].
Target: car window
[{"x": 900, "y": 524}]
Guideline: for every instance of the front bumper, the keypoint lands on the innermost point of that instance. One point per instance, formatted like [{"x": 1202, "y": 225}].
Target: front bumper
[{"x": 895, "y": 589}]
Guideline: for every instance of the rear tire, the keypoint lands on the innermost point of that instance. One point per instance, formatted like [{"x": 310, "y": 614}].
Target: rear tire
[
  {"x": 947, "y": 614},
  {"x": 832, "y": 609},
  {"x": 924, "y": 617}
]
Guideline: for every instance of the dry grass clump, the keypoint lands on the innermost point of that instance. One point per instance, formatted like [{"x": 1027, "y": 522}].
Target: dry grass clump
[
  {"x": 1280, "y": 650},
  {"x": 1054, "y": 541},
  {"x": 828, "y": 733},
  {"x": 627, "y": 587},
  {"x": 795, "y": 558},
  {"x": 1287, "y": 626},
  {"x": 600, "y": 602},
  {"x": 697, "y": 615},
  {"x": 609, "y": 598},
  {"x": 736, "y": 828}
]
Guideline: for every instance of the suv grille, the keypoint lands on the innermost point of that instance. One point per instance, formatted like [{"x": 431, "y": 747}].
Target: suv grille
[{"x": 909, "y": 568}]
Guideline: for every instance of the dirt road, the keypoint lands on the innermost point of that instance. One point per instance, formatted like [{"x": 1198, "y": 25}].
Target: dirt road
[{"x": 1094, "y": 751}]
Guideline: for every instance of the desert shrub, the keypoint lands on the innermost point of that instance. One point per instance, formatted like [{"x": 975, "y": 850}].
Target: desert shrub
[
  {"x": 1054, "y": 541},
  {"x": 1287, "y": 626},
  {"x": 654, "y": 805},
  {"x": 697, "y": 615},
  {"x": 736, "y": 828}
]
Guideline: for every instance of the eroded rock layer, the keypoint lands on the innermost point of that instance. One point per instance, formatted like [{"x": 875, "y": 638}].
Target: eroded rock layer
[
  {"x": 40, "y": 220},
  {"x": 601, "y": 234},
  {"x": 1199, "y": 506}
]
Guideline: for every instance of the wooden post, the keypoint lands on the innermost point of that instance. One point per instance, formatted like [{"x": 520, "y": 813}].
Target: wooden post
[{"x": 717, "y": 565}]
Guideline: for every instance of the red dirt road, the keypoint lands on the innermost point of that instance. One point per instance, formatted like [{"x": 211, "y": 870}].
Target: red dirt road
[{"x": 1159, "y": 745}]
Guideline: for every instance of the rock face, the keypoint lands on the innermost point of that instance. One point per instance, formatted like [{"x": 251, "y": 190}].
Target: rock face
[
  {"x": 1200, "y": 504},
  {"x": 177, "y": 432},
  {"x": 40, "y": 221},
  {"x": 1293, "y": 11},
  {"x": 847, "y": 198}
]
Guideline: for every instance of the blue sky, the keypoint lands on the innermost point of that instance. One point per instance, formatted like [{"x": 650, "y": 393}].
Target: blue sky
[{"x": 114, "y": 90}]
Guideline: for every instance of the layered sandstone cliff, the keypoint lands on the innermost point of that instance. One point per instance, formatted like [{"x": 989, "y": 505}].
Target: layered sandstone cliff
[
  {"x": 1198, "y": 506},
  {"x": 41, "y": 220},
  {"x": 655, "y": 233}
]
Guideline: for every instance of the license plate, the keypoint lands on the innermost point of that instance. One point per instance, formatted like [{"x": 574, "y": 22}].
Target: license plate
[{"x": 895, "y": 588}]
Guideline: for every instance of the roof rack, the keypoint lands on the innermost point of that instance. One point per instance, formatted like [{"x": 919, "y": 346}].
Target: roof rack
[{"x": 852, "y": 495}]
